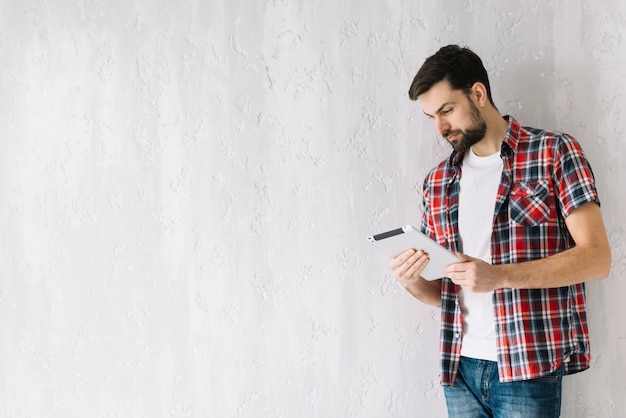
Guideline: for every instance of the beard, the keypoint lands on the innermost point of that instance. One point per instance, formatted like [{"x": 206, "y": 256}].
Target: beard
[{"x": 470, "y": 136}]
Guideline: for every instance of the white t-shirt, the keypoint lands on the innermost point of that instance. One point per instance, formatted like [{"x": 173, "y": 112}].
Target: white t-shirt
[{"x": 480, "y": 179}]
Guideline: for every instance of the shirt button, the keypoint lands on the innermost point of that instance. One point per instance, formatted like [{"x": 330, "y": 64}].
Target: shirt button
[{"x": 457, "y": 335}]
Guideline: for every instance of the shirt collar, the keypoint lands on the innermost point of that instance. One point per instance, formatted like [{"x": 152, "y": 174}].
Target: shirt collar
[{"x": 511, "y": 137}]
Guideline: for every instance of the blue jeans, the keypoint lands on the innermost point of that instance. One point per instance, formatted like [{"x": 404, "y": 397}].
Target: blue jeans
[{"x": 478, "y": 393}]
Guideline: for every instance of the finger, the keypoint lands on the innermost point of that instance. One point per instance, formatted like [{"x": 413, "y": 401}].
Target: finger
[
  {"x": 419, "y": 265},
  {"x": 450, "y": 270},
  {"x": 406, "y": 259},
  {"x": 418, "y": 257},
  {"x": 402, "y": 269},
  {"x": 415, "y": 265},
  {"x": 457, "y": 276},
  {"x": 460, "y": 267},
  {"x": 463, "y": 257},
  {"x": 416, "y": 254},
  {"x": 402, "y": 258}
]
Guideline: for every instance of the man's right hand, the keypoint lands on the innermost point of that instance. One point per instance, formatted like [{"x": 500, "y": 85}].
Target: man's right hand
[{"x": 407, "y": 267}]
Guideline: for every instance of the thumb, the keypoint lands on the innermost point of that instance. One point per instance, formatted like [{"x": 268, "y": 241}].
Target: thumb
[{"x": 464, "y": 257}]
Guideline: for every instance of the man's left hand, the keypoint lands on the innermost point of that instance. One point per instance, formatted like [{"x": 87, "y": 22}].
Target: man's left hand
[{"x": 473, "y": 274}]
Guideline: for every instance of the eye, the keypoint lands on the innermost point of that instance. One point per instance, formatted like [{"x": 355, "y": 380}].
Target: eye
[{"x": 446, "y": 111}]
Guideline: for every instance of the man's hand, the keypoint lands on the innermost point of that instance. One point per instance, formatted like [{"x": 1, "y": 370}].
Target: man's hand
[
  {"x": 473, "y": 274},
  {"x": 407, "y": 267}
]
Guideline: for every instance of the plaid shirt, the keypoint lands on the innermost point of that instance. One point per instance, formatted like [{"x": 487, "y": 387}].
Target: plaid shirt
[{"x": 545, "y": 176}]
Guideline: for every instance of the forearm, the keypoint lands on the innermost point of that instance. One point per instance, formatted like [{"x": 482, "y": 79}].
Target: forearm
[
  {"x": 589, "y": 260},
  {"x": 576, "y": 265},
  {"x": 428, "y": 292}
]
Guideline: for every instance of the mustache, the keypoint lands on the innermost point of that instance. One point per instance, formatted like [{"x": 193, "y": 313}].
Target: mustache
[{"x": 448, "y": 133}]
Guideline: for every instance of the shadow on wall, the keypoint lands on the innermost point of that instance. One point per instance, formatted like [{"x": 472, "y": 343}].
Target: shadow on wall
[
  {"x": 555, "y": 92},
  {"x": 562, "y": 92}
]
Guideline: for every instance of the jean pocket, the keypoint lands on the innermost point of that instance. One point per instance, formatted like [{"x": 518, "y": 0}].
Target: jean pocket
[{"x": 530, "y": 202}]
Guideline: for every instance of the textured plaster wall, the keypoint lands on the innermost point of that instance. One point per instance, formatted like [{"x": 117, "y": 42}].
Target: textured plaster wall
[{"x": 186, "y": 188}]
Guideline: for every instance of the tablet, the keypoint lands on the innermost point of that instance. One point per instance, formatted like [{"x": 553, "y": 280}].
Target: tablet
[{"x": 396, "y": 241}]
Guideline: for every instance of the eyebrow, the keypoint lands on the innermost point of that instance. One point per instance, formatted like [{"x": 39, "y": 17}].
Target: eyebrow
[{"x": 440, "y": 108}]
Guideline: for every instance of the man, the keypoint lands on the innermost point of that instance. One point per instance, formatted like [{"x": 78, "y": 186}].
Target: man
[{"x": 520, "y": 207}]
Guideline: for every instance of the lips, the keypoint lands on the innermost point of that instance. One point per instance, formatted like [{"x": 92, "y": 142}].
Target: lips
[{"x": 451, "y": 136}]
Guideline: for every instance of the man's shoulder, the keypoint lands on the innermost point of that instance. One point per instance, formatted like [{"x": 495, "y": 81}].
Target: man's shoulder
[
  {"x": 524, "y": 134},
  {"x": 529, "y": 133},
  {"x": 531, "y": 138}
]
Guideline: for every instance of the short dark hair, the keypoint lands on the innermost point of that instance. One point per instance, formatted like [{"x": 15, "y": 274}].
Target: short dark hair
[{"x": 460, "y": 66}]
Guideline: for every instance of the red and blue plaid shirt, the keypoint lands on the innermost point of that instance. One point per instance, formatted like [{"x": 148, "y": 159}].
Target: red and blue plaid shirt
[{"x": 545, "y": 176}]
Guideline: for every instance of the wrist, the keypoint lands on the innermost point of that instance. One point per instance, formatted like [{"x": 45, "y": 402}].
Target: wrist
[{"x": 504, "y": 274}]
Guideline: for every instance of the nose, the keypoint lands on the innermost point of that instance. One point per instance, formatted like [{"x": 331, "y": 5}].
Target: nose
[{"x": 442, "y": 125}]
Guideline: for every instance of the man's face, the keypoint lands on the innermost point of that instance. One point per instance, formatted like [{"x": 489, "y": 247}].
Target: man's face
[{"x": 456, "y": 117}]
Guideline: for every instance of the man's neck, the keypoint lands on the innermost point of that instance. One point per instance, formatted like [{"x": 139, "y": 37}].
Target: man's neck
[{"x": 492, "y": 141}]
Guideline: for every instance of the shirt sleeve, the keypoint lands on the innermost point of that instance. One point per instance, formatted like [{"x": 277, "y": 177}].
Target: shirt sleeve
[
  {"x": 573, "y": 176},
  {"x": 425, "y": 226}
]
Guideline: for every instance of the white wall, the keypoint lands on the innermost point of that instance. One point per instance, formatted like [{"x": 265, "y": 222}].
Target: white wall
[{"x": 186, "y": 188}]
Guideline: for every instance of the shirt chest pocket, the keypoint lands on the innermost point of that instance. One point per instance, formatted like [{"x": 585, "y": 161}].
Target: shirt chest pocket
[{"x": 530, "y": 202}]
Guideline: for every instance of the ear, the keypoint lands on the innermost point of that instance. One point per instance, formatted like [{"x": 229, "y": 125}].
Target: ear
[{"x": 479, "y": 94}]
